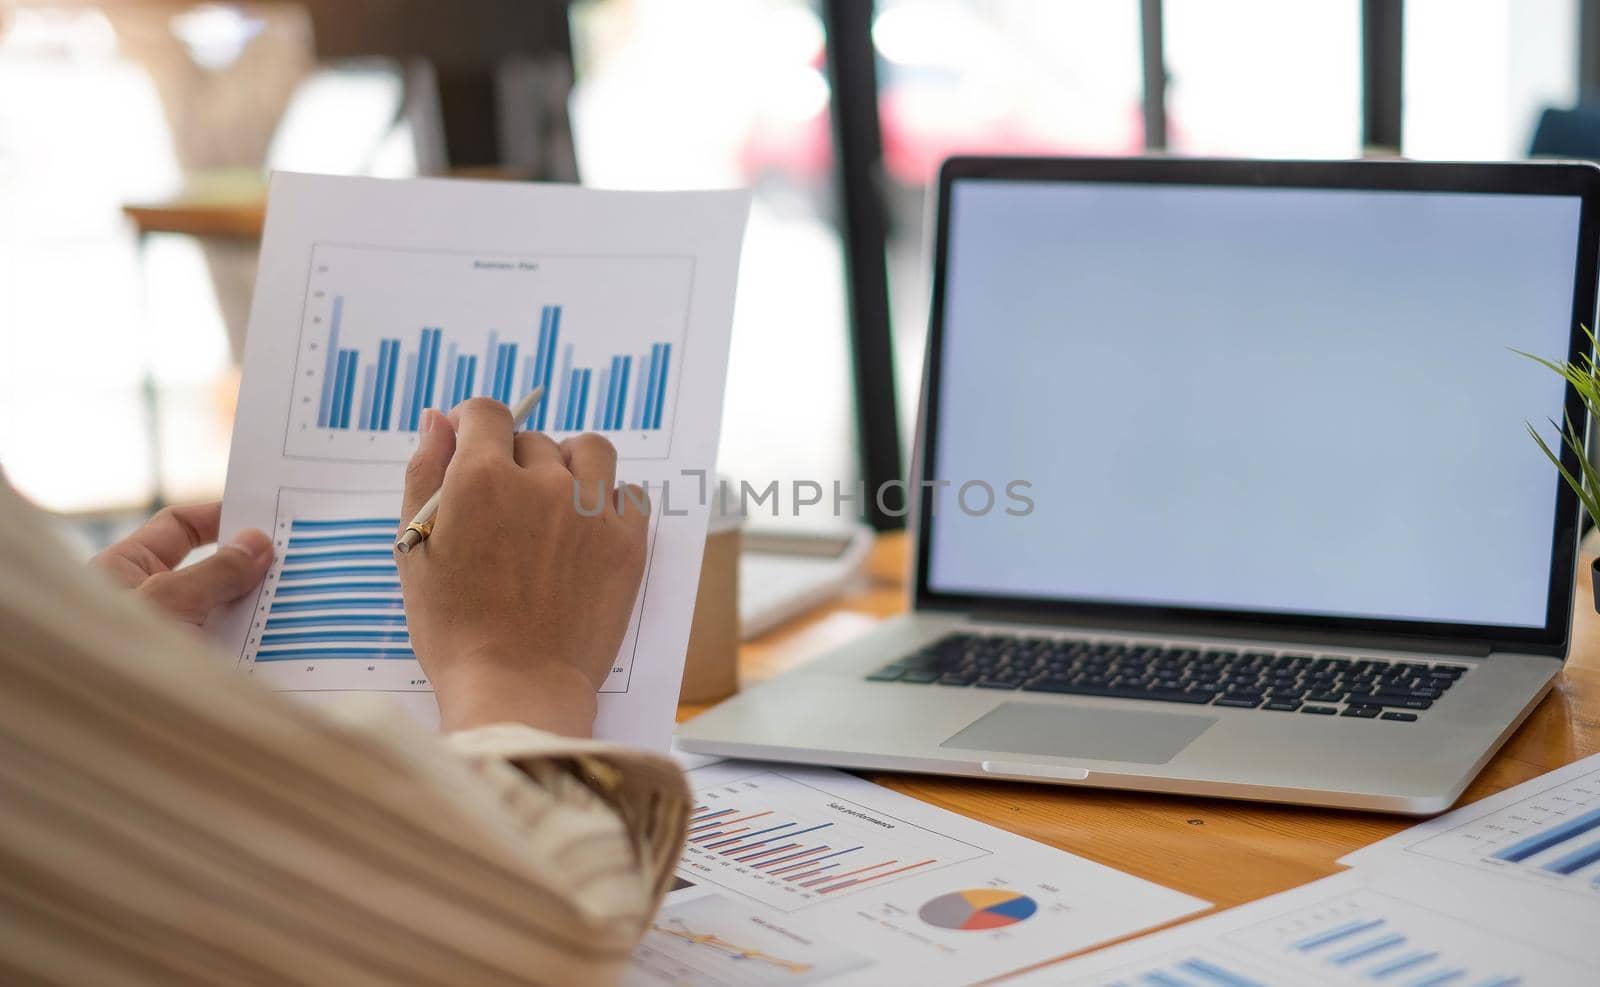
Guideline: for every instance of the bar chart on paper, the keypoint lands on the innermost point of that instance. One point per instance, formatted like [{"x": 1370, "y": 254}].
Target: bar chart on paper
[
  {"x": 329, "y": 616},
  {"x": 1360, "y": 937},
  {"x": 1551, "y": 838},
  {"x": 787, "y": 845},
  {"x": 389, "y": 333}
]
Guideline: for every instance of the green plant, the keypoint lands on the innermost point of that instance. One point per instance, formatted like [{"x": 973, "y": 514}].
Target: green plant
[{"x": 1585, "y": 379}]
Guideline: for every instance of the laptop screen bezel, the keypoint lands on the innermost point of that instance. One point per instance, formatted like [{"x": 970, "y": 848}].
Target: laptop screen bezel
[{"x": 1564, "y": 179}]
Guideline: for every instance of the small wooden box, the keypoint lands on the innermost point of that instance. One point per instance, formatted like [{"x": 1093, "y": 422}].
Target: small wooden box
[{"x": 711, "y": 670}]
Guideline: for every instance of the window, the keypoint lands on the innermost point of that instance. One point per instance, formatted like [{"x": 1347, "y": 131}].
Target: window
[
  {"x": 1479, "y": 72},
  {"x": 975, "y": 76},
  {"x": 724, "y": 93},
  {"x": 1262, "y": 78}
]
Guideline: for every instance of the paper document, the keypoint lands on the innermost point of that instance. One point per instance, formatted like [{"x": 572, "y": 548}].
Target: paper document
[
  {"x": 795, "y": 876},
  {"x": 377, "y": 300},
  {"x": 1346, "y": 929},
  {"x": 1527, "y": 858},
  {"x": 1503, "y": 891},
  {"x": 1543, "y": 833}
]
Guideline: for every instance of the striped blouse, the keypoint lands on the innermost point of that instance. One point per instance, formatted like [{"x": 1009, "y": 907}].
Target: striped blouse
[{"x": 164, "y": 820}]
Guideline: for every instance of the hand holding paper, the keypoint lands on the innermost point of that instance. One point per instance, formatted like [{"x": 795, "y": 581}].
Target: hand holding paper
[{"x": 380, "y": 302}]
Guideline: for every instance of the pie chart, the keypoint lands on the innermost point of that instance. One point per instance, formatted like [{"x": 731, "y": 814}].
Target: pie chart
[{"x": 979, "y": 909}]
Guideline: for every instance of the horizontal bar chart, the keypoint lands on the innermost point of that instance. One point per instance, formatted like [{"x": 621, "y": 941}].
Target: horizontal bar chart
[
  {"x": 787, "y": 845},
  {"x": 1548, "y": 838},
  {"x": 325, "y": 609},
  {"x": 1367, "y": 937}
]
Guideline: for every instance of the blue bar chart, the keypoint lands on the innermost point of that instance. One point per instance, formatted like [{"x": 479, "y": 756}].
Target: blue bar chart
[
  {"x": 389, "y": 334},
  {"x": 1552, "y": 838},
  {"x": 1368, "y": 937},
  {"x": 338, "y": 595},
  {"x": 1362, "y": 937},
  {"x": 330, "y": 615},
  {"x": 429, "y": 384}
]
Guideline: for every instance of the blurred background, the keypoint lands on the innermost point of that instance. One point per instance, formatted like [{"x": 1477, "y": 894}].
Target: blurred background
[{"x": 135, "y": 139}]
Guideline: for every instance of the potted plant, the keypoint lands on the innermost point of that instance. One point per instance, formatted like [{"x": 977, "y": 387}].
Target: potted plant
[{"x": 1585, "y": 379}]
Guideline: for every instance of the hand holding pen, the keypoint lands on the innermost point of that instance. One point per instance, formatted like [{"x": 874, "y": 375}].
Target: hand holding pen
[{"x": 516, "y": 601}]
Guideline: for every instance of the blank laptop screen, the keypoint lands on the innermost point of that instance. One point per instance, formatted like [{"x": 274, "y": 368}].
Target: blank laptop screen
[{"x": 1282, "y": 400}]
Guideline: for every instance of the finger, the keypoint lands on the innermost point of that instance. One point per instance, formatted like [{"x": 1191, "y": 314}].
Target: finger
[
  {"x": 633, "y": 501},
  {"x": 483, "y": 428},
  {"x": 592, "y": 459},
  {"x": 536, "y": 449},
  {"x": 436, "y": 444},
  {"x": 161, "y": 542},
  {"x": 191, "y": 593}
]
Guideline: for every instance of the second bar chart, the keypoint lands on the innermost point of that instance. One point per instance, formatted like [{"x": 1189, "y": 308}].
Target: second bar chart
[{"x": 1551, "y": 839}]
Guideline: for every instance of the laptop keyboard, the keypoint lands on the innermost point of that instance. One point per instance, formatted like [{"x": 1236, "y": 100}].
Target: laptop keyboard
[{"x": 1282, "y": 682}]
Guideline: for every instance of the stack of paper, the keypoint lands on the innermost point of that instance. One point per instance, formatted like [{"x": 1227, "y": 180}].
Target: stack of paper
[{"x": 1504, "y": 891}]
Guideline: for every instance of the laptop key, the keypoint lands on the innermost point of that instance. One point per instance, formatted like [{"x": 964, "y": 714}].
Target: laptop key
[
  {"x": 956, "y": 678},
  {"x": 1325, "y": 697},
  {"x": 1067, "y": 687},
  {"x": 1283, "y": 705},
  {"x": 1237, "y": 703},
  {"x": 1319, "y": 710},
  {"x": 1362, "y": 712},
  {"x": 1402, "y": 717},
  {"x": 998, "y": 683},
  {"x": 889, "y": 673},
  {"x": 920, "y": 676},
  {"x": 1385, "y": 699}
]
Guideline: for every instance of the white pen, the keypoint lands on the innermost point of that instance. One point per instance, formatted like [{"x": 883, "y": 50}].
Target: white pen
[{"x": 421, "y": 526}]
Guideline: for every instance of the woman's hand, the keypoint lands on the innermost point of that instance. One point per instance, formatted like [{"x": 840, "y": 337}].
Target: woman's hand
[
  {"x": 146, "y": 562},
  {"x": 517, "y": 603}
]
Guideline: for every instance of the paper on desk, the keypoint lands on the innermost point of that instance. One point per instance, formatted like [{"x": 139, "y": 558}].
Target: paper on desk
[
  {"x": 1499, "y": 892},
  {"x": 1353, "y": 928},
  {"x": 377, "y": 299},
  {"x": 688, "y": 760},
  {"x": 808, "y": 876},
  {"x": 1521, "y": 833},
  {"x": 1528, "y": 858}
]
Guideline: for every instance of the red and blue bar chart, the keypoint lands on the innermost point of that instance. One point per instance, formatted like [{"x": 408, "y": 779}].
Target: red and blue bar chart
[
  {"x": 789, "y": 845},
  {"x": 783, "y": 854}
]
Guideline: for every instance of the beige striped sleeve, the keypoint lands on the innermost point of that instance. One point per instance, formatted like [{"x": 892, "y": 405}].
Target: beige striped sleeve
[{"x": 163, "y": 820}]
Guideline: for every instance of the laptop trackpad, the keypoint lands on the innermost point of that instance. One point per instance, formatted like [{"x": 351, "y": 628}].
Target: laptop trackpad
[{"x": 1082, "y": 731}]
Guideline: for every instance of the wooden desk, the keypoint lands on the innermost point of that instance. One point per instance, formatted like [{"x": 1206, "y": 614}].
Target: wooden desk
[
  {"x": 230, "y": 203},
  {"x": 1223, "y": 851}
]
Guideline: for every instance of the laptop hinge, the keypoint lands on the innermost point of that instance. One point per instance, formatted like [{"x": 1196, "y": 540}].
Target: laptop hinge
[{"x": 1466, "y": 648}]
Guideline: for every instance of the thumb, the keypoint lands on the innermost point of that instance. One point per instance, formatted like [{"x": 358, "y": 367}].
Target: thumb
[
  {"x": 191, "y": 593},
  {"x": 436, "y": 443}
]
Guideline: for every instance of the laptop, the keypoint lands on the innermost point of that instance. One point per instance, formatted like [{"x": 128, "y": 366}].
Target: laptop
[{"x": 1223, "y": 484}]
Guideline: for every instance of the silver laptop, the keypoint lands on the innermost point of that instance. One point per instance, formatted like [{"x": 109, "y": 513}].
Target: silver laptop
[{"x": 1224, "y": 484}]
